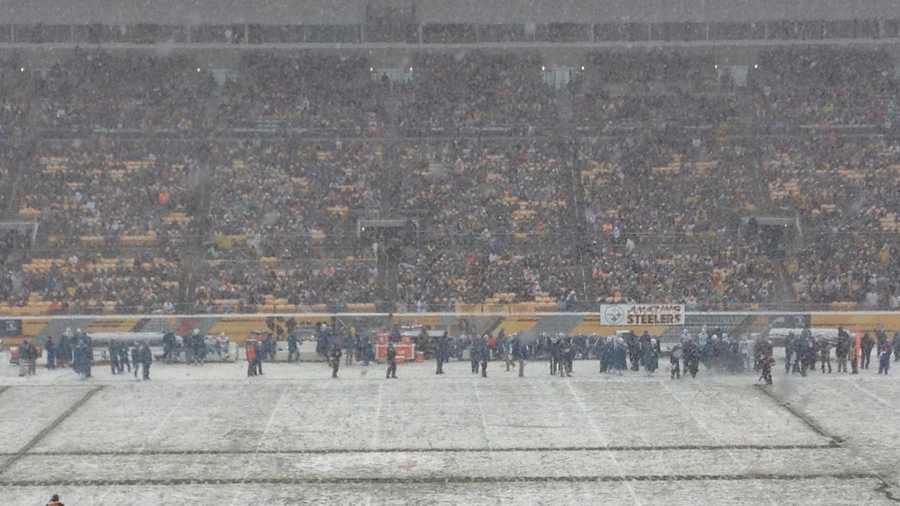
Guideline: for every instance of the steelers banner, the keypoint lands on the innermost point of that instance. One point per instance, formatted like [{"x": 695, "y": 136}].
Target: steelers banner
[
  {"x": 642, "y": 314},
  {"x": 10, "y": 328}
]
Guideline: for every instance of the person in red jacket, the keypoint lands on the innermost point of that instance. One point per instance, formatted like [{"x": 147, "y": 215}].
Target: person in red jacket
[
  {"x": 54, "y": 501},
  {"x": 251, "y": 358}
]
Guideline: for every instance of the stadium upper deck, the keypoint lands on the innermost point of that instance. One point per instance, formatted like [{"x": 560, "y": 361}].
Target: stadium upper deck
[{"x": 441, "y": 22}]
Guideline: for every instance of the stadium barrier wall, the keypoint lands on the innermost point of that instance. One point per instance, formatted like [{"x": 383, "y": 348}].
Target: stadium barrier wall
[{"x": 239, "y": 326}]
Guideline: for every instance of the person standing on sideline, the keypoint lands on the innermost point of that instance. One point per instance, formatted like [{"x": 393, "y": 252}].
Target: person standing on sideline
[
  {"x": 483, "y": 355},
  {"x": 349, "y": 347},
  {"x": 50, "y": 348},
  {"x": 766, "y": 363},
  {"x": 335, "y": 359},
  {"x": 473, "y": 355},
  {"x": 520, "y": 354},
  {"x": 113, "y": 357},
  {"x": 825, "y": 354},
  {"x": 32, "y": 364},
  {"x": 650, "y": 357},
  {"x": 365, "y": 349},
  {"x": 23, "y": 358},
  {"x": 293, "y": 348},
  {"x": 884, "y": 358},
  {"x": 842, "y": 349},
  {"x": 89, "y": 350},
  {"x": 250, "y": 350},
  {"x": 63, "y": 352},
  {"x": 391, "y": 362},
  {"x": 123, "y": 357},
  {"x": 136, "y": 358},
  {"x": 788, "y": 351},
  {"x": 867, "y": 344},
  {"x": 442, "y": 353},
  {"x": 880, "y": 337},
  {"x": 146, "y": 360},
  {"x": 896, "y": 345},
  {"x": 675, "y": 362}
]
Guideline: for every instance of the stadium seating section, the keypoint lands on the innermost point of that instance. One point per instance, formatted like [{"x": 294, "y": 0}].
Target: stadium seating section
[{"x": 161, "y": 187}]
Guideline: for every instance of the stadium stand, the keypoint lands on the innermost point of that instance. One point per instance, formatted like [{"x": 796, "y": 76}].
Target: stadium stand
[{"x": 160, "y": 186}]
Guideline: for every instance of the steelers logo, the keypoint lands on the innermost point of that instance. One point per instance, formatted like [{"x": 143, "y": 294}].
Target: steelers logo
[{"x": 614, "y": 315}]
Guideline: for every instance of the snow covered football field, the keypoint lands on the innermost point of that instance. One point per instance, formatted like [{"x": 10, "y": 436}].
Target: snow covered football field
[{"x": 212, "y": 436}]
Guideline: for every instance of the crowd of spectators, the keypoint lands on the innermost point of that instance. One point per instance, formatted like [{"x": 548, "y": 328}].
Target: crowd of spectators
[
  {"x": 107, "y": 188},
  {"x": 824, "y": 86},
  {"x": 652, "y": 215},
  {"x": 90, "y": 90},
  {"x": 846, "y": 191},
  {"x": 456, "y": 91},
  {"x": 308, "y": 90}
]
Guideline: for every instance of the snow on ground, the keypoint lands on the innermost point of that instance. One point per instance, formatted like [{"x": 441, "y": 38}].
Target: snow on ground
[{"x": 294, "y": 435}]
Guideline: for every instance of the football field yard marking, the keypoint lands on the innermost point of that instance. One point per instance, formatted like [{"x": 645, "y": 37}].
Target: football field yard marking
[
  {"x": 49, "y": 428},
  {"x": 602, "y": 437},
  {"x": 708, "y": 432}
]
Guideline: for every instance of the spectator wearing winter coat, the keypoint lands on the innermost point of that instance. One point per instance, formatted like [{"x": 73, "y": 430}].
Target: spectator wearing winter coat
[
  {"x": 168, "y": 345},
  {"x": 123, "y": 358},
  {"x": 868, "y": 343},
  {"x": 442, "y": 353},
  {"x": 82, "y": 362},
  {"x": 650, "y": 357},
  {"x": 251, "y": 358},
  {"x": 519, "y": 354},
  {"x": 293, "y": 348},
  {"x": 675, "y": 362},
  {"x": 136, "y": 358},
  {"x": 391, "y": 362},
  {"x": 146, "y": 360},
  {"x": 113, "y": 357},
  {"x": 884, "y": 358},
  {"x": 50, "y": 348},
  {"x": 64, "y": 351},
  {"x": 842, "y": 350},
  {"x": 896, "y": 344},
  {"x": 619, "y": 351}
]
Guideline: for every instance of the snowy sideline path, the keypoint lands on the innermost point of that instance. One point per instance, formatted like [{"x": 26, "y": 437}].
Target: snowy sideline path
[{"x": 295, "y": 435}]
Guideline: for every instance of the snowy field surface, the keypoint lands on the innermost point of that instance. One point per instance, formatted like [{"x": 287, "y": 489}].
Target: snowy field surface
[{"x": 210, "y": 435}]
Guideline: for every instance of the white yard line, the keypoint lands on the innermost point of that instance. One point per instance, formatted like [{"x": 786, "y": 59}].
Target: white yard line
[
  {"x": 484, "y": 425},
  {"x": 147, "y": 440},
  {"x": 377, "y": 430},
  {"x": 599, "y": 434},
  {"x": 885, "y": 403},
  {"x": 854, "y": 449},
  {"x": 262, "y": 438},
  {"x": 162, "y": 422},
  {"x": 709, "y": 433}
]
